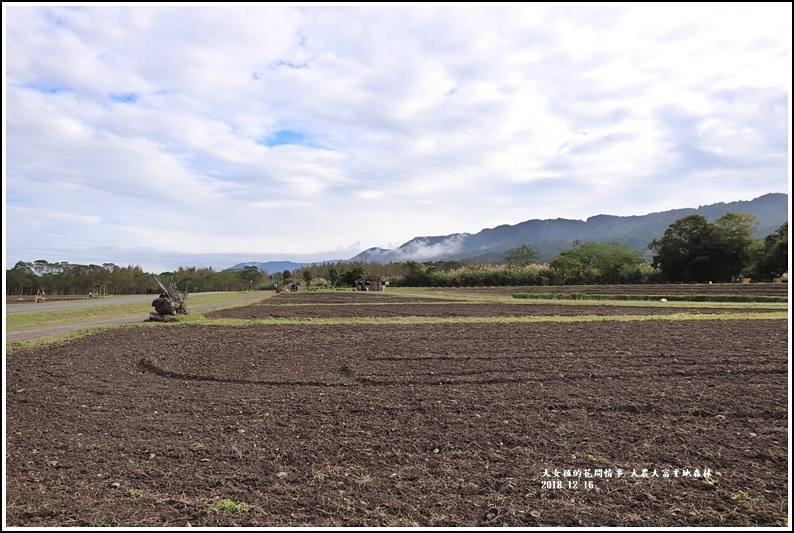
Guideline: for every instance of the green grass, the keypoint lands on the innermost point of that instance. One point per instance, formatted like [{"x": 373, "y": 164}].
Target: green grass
[
  {"x": 72, "y": 335},
  {"x": 639, "y": 300},
  {"x": 231, "y": 506},
  {"x": 62, "y": 317},
  {"x": 489, "y": 320},
  {"x": 739, "y": 298},
  {"x": 54, "y": 317}
]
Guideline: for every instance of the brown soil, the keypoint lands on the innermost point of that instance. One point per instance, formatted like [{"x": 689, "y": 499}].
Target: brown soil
[
  {"x": 330, "y": 305},
  {"x": 662, "y": 289},
  {"x": 457, "y": 424}
]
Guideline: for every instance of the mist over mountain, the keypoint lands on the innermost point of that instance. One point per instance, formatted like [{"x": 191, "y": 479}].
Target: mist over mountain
[{"x": 553, "y": 236}]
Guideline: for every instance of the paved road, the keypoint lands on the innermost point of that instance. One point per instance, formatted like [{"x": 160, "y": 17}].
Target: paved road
[
  {"x": 35, "y": 334},
  {"x": 53, "y": 305}
]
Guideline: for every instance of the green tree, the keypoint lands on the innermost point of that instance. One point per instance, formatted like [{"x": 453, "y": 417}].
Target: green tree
[
  {"x": 251, "y": 274},
  {"x": 597, "y": 262},
  {"x": 692, "y": 249},
  {"x": 350, "y": 277},
  {"x": 334, "y": 276},
  {"x": 772, "y": 259},
  {"x": 520, "y": 256},
  {"x": 22, "y": 278},
  {"x": 734, "y": 244},
  {"x": 308, "y": 275},
  {"x": 566, "y": 268},
  {"x": 416, "y": 274},
  {"x": 682, "y": 252},
  {"x": 619, "y": 263}
]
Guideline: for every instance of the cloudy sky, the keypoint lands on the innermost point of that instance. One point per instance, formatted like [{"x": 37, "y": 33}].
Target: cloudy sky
[{"x": 208, "y": 135}]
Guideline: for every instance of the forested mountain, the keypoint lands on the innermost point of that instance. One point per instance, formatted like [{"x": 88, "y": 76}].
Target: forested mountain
[
  {"x": 271, "y": 267},
  {"x": 551, "y": 237},
  {"x": 548, "y": 238}
]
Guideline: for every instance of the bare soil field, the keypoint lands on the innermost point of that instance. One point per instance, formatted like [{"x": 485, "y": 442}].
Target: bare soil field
[
  {"x": 325, "y": 305},
  {"x": 662, "y": 289},
  {"x": 608, "y": 423}
]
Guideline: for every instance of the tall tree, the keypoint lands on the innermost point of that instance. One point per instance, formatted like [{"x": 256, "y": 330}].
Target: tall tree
[
  {"x": 308, "y": 276},
  {"x": 334, "y": 276},
  {"x": 251, "y": 274},
  {"x": 692, "y": 249},
  {"x": 22, "y": 278},
  {"x": 597, "y": 262},
  {"x": 682, "y": 254},
  {"x": 520, "y": 256},
  {"x": 772, "y": 260},
  {"x": 734, "y": 242}
]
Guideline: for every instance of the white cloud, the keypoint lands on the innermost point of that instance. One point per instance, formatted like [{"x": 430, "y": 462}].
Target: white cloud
[{"x": 149, "y": 125}]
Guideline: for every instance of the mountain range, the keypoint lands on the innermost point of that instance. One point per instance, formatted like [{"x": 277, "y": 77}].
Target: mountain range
[{"x": 553, "y": 236}]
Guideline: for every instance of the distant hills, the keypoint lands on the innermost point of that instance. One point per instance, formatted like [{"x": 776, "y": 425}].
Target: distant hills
[
  {"x": 553, "y": 236},
  {"x": 272, "y": 267}
]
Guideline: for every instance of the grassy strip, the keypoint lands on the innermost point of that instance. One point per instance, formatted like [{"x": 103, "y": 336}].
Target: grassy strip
[
  {"x": 64, "y": 317},
  {"x": 655, "y": 297},
  {"x": 593, "y": 299},
  {"x": 774, "y": 315},
  {"x": 560, "y": 303},
  {"x": 198, "y": 319},
  {"x": 72, "y": 335}
]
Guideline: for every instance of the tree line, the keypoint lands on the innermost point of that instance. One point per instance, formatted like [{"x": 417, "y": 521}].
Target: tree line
[{"x": 691, "y": 250}]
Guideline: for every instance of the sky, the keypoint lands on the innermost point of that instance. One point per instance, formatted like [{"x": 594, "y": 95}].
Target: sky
[{"x": 212, "y": 134}]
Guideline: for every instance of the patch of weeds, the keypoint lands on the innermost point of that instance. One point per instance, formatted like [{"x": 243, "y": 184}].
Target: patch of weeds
[
  {"x": 363, "y": 479},
  {"x": 134, "y": 493},
  {"x": 401, "y": 520},
  {"x": 317, "y": 477},
  {"x": 634, "y": 518},
  {"x": 596, "y": 460},
  {"x": 397, "y": 475},
  {"x": 745, "y": 495},
  {"x": 230, "y": 506},
  {"x": 100, "y": 521},
  {"x": 237, "y": 451},
  {"x": 348, "y": 503},
  {"x": 710, "y": 482},
  {"x": 435, "y": 517}
]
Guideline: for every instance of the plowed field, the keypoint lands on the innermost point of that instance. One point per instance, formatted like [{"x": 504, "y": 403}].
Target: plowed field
[{"x": 606, "y": 423}]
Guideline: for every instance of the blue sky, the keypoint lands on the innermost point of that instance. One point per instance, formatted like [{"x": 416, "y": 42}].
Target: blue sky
[{"x": 208, "y": 135}]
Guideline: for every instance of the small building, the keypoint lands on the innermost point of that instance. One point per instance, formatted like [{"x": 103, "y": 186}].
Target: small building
[{"x": 371, "y": 283}]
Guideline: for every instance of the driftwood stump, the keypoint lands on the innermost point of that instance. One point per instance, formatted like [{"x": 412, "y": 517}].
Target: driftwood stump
[
  {"x": 165, "y": 306},
  {"x": 157, "y": 317},
  {"x": 166, "y": 309}
]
